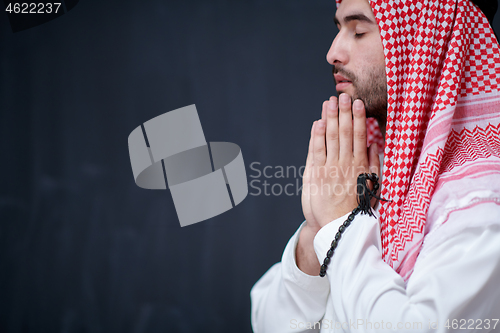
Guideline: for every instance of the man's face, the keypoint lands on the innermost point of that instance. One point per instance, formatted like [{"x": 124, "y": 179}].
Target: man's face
[{"x": 357, "y": 55}]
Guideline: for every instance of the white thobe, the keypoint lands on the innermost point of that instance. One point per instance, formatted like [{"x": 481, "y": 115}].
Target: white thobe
[{"x": 454, "y": 286}]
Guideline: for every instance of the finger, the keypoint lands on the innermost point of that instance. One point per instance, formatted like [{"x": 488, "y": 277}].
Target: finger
[
  {"x": 310, "y": 148},
  {"x": 324, "y": 110},
  {"x": 374, "y": 159},
  {"x": 332, "y": 130},
  {"x": 359, "y": 130},
  {"x": 319, "y": 152},
  {"x": 345, "y": 128},
  {"x": 309, "y": 159},
  {"x": 374, "y": 167},
  {"x": 306, "y": 178}
]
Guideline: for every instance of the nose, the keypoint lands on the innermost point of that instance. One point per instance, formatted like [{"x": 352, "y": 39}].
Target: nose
[{"x": 337, "y": 54}]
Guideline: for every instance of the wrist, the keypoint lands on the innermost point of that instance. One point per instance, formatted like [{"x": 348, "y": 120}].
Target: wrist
[
  {"x": 305, "y": 256},
  {"x": 311, "y": 229}
]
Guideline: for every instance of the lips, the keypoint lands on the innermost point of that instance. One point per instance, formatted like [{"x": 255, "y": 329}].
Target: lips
[
  {"x": 341, "y": 79},
  {"x": 342, "y": 82}
]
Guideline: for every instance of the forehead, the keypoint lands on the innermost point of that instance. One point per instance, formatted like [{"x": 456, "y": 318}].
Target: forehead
[{"x": 349, "y": 7}]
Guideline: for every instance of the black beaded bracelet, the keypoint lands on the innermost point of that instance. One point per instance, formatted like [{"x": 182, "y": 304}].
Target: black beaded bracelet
[{"x": 364, "y": 195}]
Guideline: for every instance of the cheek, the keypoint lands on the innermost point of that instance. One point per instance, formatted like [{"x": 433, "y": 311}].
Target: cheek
[
  {"x": 374, "y": 56},
  {"x": 378, "y": 51},
  {"x": 369, "y": 76}
]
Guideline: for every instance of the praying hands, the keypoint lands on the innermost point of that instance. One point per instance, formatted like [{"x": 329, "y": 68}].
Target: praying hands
[{"x": 337, "y": 155}]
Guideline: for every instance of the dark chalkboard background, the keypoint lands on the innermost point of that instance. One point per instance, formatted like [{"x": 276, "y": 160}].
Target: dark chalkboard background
[{"x": 82, "y": 248}]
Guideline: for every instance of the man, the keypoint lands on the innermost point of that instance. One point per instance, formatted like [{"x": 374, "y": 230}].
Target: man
[{"x": 429, "y": 72}]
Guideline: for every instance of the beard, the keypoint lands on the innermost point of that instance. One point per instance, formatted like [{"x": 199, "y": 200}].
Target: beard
[{"x": 371, "y": 88}]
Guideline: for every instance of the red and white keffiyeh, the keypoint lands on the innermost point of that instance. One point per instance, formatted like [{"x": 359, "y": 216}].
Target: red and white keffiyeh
[{"x": 443, "y": 118}]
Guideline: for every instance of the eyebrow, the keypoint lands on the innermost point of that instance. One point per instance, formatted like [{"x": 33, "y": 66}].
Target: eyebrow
[{"x": 353, "y": 17}]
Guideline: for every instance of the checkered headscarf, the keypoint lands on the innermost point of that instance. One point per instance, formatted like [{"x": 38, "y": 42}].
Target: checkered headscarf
[{"x": 443, "y": 118}]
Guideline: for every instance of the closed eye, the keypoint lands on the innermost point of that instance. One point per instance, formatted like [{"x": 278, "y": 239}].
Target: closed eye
[{"x": 358, "y": 35}]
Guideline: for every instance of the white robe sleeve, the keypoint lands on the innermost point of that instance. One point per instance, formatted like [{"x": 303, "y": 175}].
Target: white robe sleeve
[
  {"x": 285, "y": 295},
  {"x": 456, "y": 279}
]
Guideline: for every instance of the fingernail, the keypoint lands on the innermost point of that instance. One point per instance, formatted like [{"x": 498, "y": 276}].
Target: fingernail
[
  {"x": 344, "y": 98},
  {"x": 331, "y": 104},
  {"x": 358, "y": 104},
  {"x": 321, "y": 123}
]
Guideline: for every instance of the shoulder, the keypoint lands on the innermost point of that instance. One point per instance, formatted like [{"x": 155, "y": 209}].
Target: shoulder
[{"x": 478, "y": 221}]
